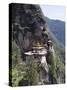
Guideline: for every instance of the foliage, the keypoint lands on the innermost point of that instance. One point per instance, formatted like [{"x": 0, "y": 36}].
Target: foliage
[
  {"x": 60, "y": 70},
  {"x": 32, "y": 73},
  {"x": 52, "y": 68},
  {"x": 56, "y": 69},
  {"x": 16, "y": 55},
  {"x": 17, "y": 70}
]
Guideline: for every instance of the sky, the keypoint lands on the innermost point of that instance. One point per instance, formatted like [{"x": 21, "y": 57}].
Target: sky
[{"x": 54, "y": 12}]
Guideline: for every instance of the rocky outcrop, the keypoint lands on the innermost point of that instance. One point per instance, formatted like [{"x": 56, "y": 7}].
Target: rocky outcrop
[
  {"x": 27, "y": 22},
  {"x": 28, "y": 26}
]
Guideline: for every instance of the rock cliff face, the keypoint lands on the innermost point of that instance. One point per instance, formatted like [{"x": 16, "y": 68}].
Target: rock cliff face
[
  {"x": 28, "y": 27},
  {"x": 27, "y": 24}
]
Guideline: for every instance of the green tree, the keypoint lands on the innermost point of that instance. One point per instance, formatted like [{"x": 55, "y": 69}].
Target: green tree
[
  {"x": 52, "y": 68},
  {"x": 32, "y": 73}
]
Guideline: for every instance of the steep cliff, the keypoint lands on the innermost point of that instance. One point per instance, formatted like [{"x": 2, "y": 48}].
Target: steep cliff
[{"x": 28, "y": 26}]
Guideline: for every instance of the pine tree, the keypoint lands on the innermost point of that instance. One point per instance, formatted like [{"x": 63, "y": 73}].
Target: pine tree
[{"x": 32, "y": 73}]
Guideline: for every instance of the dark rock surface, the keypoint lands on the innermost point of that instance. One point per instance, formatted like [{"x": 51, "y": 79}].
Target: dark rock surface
[
  {"x": 27, "y": 21},
  {"x": 28, "y": 26}
]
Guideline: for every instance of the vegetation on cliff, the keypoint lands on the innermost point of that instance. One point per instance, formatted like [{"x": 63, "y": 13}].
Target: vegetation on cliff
[{"x": 27, "y": 23}]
